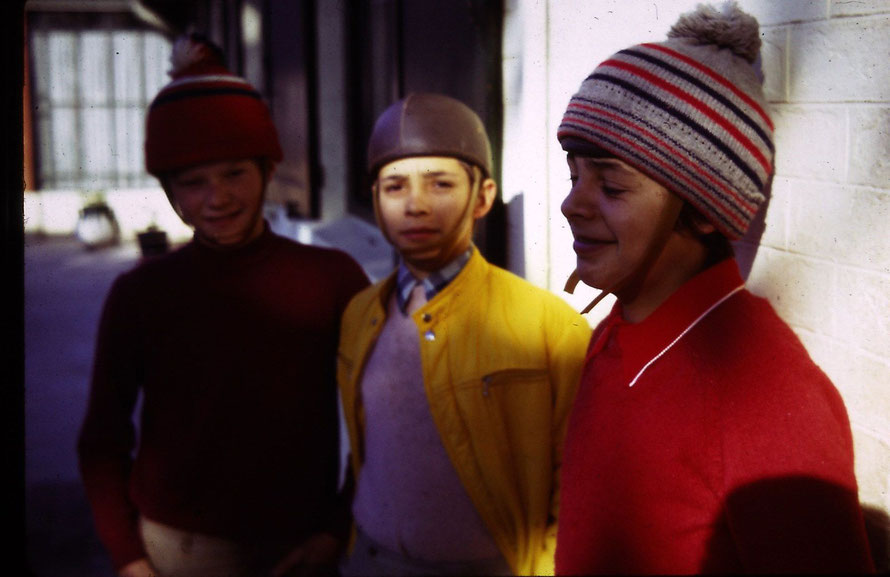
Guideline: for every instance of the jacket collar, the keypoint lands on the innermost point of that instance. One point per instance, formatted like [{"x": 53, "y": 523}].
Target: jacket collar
[
  {"x": 471, "y": 272},
  {"x": 433, "y": 283}
]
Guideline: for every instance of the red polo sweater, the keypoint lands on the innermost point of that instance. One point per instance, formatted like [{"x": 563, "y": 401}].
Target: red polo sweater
[
  {"x": 235, "y": 354},
  {"x": 731, "y": 452}
]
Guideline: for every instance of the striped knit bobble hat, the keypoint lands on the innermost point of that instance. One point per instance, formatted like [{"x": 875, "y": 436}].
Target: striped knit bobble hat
[
  {"x": 206, "y": 114},
  {"x": 688, "y": 112}
]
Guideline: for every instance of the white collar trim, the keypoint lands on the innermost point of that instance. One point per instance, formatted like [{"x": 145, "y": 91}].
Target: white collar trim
[{"x": 686, "y": 330}]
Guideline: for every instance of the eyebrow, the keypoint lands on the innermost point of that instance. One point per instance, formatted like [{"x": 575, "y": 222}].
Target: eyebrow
[
  {"x": 605, "y": 162},
  {"x": 426, "y": 175}
]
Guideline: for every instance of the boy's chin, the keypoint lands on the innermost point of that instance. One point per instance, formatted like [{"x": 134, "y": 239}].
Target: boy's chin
[
  {"x": 425, "y": 260},
  {"x": 595, "y": 278}
]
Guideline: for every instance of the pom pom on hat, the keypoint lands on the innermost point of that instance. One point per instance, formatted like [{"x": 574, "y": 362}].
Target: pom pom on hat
[
  {"x": 727, "y": 27},
  {"x": 688, "y": 112},
  {"x": 193, "y": 54},
  {"x": 206, "y": 114}
]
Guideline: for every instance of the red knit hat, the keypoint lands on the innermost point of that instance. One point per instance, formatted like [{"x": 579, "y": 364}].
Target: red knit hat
[{"x": 206, "y": 114}]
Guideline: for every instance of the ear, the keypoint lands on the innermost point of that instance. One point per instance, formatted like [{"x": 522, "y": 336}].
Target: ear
[{"x": 485, "y": 199}]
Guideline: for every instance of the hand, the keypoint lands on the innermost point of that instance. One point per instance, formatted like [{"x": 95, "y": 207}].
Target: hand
[
  {"x": 138, "y": 568},
  {"x": 317, "y": 555}
]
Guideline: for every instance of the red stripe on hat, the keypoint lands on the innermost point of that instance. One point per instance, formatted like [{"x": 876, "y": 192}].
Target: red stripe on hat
[
  {"x": 713, "y": 75},
  {"x": 733, "y": 194},
  {"x": 697, "y": 104},
  {"x": 707, "y": 197}
]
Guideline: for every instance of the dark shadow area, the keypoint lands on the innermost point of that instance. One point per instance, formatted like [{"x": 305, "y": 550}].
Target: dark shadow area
[
  {"x": 515, "y": 219},
  {"x": 11, "y": 261},
  {"x": 61, "y": 537},
  {"x": 877, "y": 527},
  {"x": 66, "y": 283},
  {"x": 746, "y": 247},
  {"x": 794, "y": 524}
]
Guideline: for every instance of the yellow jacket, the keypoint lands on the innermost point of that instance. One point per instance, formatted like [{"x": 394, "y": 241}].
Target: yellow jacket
[{"x": 501, "y": 362}]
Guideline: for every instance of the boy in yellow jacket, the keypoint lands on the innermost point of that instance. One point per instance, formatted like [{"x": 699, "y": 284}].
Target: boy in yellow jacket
[{"x": 456, "y": 376}]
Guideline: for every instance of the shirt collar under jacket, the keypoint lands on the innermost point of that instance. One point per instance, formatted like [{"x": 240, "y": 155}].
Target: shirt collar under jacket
[{"x": 433, "y": 283}]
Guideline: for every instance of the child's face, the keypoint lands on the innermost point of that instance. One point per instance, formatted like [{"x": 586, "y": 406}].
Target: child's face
[
  {"x": 221, "y": 200},
  {"x": 426, "y": 209},
  {"x": 614, "y": 212}
]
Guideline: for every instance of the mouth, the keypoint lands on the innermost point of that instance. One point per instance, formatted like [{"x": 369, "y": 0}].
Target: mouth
[
  {"x": 222, "y": 218},
  {"x": 418, "y": 233},
  {"x": 586, "y": 244}
]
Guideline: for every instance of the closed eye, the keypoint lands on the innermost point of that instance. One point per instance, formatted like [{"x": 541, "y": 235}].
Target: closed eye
[
  {"x": 392, "y": 188},
  {"x": 190, "y": 182}
]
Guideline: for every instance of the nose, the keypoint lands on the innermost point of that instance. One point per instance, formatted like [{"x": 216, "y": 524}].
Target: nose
[
  {"x": 416, "y": 202},
  {"x": 578, "y": 204},
  {"x": 217, "y": 194}
]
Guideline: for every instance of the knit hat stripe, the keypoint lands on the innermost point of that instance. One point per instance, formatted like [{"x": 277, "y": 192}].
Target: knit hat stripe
[
  {"x": 729, "y": 224},
  {"x": 696, "y": 104},
  {"x": 664, "y": 172},
  {"x": 750, "y": 151},
  {"x": 203, "y": 92},
  {"x": 709, "y": 135},
  {"x": 694, "y": 166},
  {"x": 677, "y": 149},
  {"x": 717, "y": 78},
  {"x": 205, "y": 78},
  {"x": 699, "y": 84}
]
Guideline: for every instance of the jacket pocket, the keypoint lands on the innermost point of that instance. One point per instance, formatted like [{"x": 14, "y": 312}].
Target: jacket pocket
[
  {"x": 508, "y": 416},
  {"x": 511, "y": 408},
  {"x": 493, "y": 382}
]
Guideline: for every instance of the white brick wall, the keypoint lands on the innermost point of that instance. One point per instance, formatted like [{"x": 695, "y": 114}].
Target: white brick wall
[
  {"x": 839, "y": 60},
  {"x": 824, "y": 257},
  {"x": 828, "y": 270}
]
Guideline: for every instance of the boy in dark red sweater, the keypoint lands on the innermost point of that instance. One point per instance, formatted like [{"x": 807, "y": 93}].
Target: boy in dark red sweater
[
  {"x": 231, "y": 341},
  {"x": 703, "y": 437}
]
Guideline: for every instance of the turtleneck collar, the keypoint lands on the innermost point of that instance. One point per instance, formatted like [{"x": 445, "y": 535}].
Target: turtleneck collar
[{"x": 249, "y": 250}]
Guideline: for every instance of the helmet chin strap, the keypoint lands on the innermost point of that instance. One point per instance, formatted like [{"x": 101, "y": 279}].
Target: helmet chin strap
[
  {"x": 665, "y": 224},
  {"x": 450, "y": 240}
]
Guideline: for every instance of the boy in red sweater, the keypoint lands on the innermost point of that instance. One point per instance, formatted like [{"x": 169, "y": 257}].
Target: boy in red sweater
[
  {"x": 231, "y": 341},
  {"x": 703, "y": 437}
]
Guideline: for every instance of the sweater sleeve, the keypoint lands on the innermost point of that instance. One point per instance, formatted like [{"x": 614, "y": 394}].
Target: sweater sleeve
[
  {"x": 350, "y": 280},
  {"x": 791, "y": 500},
  {"x": 567, "y": 345},
  {"x": 108, "y": 435}
]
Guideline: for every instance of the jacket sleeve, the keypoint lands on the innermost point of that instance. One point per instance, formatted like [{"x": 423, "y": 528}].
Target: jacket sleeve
[
  {"x": 108, "y": 435},
  {"x": 568, "y": 338}
]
